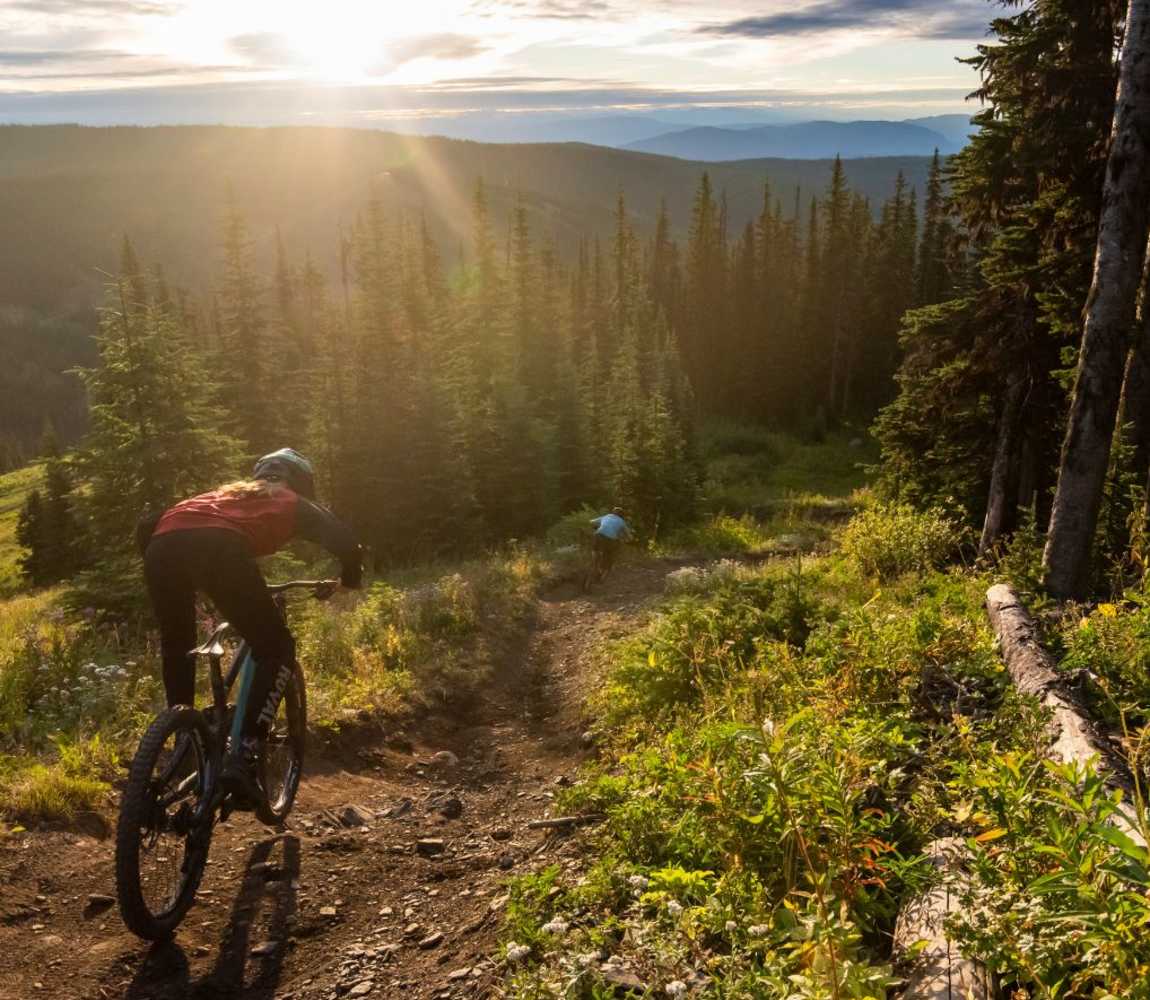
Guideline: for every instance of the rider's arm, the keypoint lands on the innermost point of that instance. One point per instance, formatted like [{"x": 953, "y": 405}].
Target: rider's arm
[
  {"x": 324, "y": 528},
  {"x": 596, "y": 521}
]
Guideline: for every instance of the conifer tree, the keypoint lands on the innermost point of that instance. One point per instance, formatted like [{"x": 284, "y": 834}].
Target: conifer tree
[
  {"x": 155, "y": 435},
  {"x": 246, "y": 368}
]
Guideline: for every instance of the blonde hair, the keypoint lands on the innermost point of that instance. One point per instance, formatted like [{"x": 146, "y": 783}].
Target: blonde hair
[{"x": 246, "y": 488}]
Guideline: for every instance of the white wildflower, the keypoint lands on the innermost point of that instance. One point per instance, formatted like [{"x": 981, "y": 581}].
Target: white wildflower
[
  {"x": 759, "y": 930},
  {"x": 674, "y": 907},
  {"x": 587, "y": 959},
  {"x": 517, "y": 952},
  {"x": 676, "y": 988},
  {"x": 556, "y": 926},
  {"x": 730, "y": 926},
  {"x": 638, "y": 882}
]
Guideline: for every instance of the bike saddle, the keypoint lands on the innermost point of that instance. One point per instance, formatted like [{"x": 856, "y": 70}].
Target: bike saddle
[{"x": 214, "y": 644}]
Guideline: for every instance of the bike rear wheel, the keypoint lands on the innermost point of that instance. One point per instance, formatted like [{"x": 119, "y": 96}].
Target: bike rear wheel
[
  {"x": 283, "y": 754},
  {"x": 165, "y": 826}
]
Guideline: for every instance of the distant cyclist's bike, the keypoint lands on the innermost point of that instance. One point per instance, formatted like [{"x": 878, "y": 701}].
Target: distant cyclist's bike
[
  {"x": 603, "y": 555},
  {"x": 174, "y": 796}
]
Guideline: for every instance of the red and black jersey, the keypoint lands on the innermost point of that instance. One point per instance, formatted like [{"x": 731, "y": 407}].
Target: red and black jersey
[{"x": 268, "y": 522}]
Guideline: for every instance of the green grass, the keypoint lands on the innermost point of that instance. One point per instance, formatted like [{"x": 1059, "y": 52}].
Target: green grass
[
  {"x": 768, "y": 491},
  {"x": 14, "y": 489},
  {"x": 751, "y": 469}
]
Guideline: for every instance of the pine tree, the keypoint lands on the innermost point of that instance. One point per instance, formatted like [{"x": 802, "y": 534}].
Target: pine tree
[
  {"x": 245, "y": 351},
  {"x": 155, "y": 436}
]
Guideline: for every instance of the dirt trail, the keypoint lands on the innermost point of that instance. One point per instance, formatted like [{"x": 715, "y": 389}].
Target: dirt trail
[{"x": 328, "y": 911}]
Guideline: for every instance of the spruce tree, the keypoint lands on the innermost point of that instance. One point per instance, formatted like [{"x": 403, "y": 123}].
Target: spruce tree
[{"x": 155, "y": 437}]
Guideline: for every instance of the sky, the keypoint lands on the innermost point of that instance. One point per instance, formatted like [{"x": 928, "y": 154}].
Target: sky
[{"x": 357, "y": 62}]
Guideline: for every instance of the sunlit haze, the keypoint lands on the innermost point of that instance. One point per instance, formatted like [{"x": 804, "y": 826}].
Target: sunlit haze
[{"x": 355, "y": 62}]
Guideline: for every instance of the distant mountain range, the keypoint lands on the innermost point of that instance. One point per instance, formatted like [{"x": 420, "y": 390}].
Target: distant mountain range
[
  {"x": 725, "y": 134},
  {"x": 809, "y": 140}
]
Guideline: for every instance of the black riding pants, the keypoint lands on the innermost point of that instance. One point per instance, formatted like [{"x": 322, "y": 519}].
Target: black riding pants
[{"x": 216, "y": 562}]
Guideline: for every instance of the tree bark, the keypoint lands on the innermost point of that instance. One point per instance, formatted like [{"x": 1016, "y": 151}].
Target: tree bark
[
  {"x": 938, "y": 971},
  {"x": 1110, "y": 313},
  {"x": 1000, "y": 505},
  {"x": 1032, "y": 671}
]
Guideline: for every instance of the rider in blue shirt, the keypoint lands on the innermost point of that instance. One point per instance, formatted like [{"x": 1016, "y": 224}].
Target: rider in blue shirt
[{"x": 610, "y": 532}]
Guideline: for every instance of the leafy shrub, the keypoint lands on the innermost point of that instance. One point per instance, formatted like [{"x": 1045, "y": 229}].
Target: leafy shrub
[
  {"x": 720, "y": 535},
  {"x": 889, "y": 539},
  {"x": 573, "y": 529},
  {"x": 1111, "y": 648},
  {"x": 1059, "y": 897}
]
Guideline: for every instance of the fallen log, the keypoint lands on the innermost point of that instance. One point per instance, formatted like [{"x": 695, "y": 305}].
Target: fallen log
[
  {"x": 1032, "y": 670},
  {"x": 934, "y": 968}
]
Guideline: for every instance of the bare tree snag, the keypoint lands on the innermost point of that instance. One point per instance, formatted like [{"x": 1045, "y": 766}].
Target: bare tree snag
[
  {"x": 1032, "y": 671},
  {"x": 938, "y": 971},
  {"x": 1110, "y": 314}
]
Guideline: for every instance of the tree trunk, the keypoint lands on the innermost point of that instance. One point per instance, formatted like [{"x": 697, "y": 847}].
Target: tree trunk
[
  {"x": 936, "y": 970},
  {"x": 1000, "y": 505},
  {"x": 1110, "y": 313},
  {"x": 1032, "y": 670}
]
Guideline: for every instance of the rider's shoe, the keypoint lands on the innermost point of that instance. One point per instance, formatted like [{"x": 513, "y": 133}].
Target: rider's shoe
[{"x": 241, "y": 774}]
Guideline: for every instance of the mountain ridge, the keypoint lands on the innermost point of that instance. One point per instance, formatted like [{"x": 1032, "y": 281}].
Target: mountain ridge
[{"x": 807, "y": 140}]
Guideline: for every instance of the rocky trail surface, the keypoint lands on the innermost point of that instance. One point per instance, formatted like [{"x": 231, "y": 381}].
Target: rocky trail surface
[{"x": 391, "y": 877}]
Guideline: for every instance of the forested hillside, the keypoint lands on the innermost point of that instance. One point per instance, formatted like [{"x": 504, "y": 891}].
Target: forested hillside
[{"x": 68, "y": 195}]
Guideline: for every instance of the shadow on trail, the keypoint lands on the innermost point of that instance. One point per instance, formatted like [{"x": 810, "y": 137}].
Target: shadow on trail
[{"x": 266, "y": 900}]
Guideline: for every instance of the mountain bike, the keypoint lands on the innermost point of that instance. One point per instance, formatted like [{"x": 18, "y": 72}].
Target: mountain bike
[
  {"x": 602, "y": 559},
  {"x": 174, "y": 797}
]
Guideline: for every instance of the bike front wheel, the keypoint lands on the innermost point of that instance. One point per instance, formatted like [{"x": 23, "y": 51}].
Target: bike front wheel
[
  {"x": 284, "y": 752},
  {"x": 165, "y": 825}
]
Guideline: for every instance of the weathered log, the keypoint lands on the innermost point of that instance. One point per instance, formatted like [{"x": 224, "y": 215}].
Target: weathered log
[
  {"x": 1033, "y": 673},
  {"x": 936, "y": 970}
]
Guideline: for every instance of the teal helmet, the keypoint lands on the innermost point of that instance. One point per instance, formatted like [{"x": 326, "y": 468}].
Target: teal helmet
[{"x": 288, "y": 466}]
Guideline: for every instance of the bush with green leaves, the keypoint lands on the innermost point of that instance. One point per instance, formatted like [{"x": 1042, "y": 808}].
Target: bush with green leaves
[
  {"x": 888, "y": 539},
  {"x": 1059, "y": 895}
]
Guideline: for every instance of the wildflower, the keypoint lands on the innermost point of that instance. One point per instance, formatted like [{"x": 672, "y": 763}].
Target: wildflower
[
  {"x": 676, "y": 988},
  {"x": 517, "y": 952},
  {"x": 674, "y": 907},
  {"x": 556, "y": 926},
  {"x": 759, "y": 930},
  {"x": 730, "y": 927},
  {"x": 587, "y": 959},
  {"x": 638, "y": 882}
]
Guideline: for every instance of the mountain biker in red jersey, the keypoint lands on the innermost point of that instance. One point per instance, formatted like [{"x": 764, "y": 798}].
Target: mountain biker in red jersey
[{"x": 209, "y": 543}]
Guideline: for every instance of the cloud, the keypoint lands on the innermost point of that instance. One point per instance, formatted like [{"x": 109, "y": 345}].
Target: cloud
[
  {"x": 276, "y": 51},
  {"x": 103, "y": 8},
  {"x": 295, "y": 103},
  {"x": 439, "y": 46},
  {"x": 51, "y": 56},
  {"x": 955, "y": 19},
  {"x": 266, "y": 48},
  {"x": 554, "y": 10}
]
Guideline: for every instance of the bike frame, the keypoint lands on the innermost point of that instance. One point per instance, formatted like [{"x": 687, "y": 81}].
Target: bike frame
[{"x": 243, "y": 668}]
